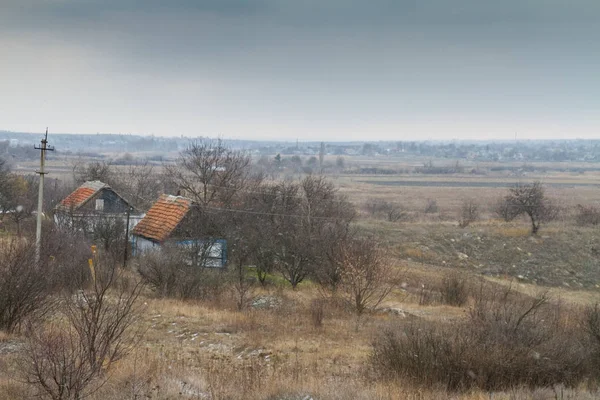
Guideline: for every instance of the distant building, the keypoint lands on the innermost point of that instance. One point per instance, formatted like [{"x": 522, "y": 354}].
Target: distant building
[
  {"x": 92, "y": 202},
  {"x": 172, "y": 220}
]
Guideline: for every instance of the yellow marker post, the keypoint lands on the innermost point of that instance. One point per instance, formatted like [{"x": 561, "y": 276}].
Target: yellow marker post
[{"x": 92, "y": 269}]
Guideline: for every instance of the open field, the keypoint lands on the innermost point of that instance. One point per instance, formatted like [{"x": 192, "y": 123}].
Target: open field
[{"x": 412, "y": 191}]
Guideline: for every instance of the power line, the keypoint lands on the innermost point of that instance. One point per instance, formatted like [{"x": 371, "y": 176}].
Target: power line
[{"x": 270, "y": 214}]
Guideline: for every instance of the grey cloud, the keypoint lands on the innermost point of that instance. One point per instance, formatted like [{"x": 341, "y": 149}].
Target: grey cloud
[{"x": 328, "y": 60}]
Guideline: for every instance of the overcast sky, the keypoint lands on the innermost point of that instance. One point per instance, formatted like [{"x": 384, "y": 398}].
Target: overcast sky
[{"x": 307, "y": 69}]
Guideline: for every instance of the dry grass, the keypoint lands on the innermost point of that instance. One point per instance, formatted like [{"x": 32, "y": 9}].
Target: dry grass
[
  {"x": 194, "y": 349},
  {"x": 514, "y": 231}
]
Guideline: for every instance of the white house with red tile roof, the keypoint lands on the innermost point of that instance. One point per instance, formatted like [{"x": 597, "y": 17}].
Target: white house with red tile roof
[{"x": 163, "y": 224}]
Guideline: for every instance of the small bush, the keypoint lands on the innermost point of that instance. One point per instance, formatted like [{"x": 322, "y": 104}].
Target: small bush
[
  {"x": 67, "y": 255},
  {"x": 504, "y": 210},
  {"x": 317, "y": 312},
  {"x": 469, "y": 213},
  {"x": 587, "y": 215},
  {"x": 428, "y": 296},
  {"x": 509, "y": 340},
  {"x": 169, "y": 275},
  {"x": 431, "y": 207},
  {"x": 454, "y": 290},
  {"x": 392, "y": 212},
  {"x": 24, "y": 286}
]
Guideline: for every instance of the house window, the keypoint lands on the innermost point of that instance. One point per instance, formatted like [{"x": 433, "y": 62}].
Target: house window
[{"x": 99, "y": 204}]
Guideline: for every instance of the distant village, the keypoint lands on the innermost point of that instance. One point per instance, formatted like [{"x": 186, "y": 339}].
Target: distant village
[{"x": 19, "y": 146}]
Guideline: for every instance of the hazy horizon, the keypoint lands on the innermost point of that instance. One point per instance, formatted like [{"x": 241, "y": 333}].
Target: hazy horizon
[{"x": 276, "y": 70}]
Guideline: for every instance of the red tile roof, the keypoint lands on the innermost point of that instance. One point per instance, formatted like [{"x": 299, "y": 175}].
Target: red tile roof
[
  {"x": 82, "y": 194},
  {"x": 163, "y": 217}
]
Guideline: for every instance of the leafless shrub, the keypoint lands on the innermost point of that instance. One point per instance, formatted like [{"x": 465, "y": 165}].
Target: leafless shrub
[
  {"x": 317, "y": 312},
  {"x": 69, "y": 358},
  {"x": 469, "y": 212},
  {"x": 67, "y": 255},
  {"x": 504, "y": 210},
  {"x": 587, "y": 215},
  {"x": 242, "y": 285},
  {"x": 454, "y": 290},
  {"x": 169, "y": 275},
  {"x": 428, "y": 296},
  {"x": 509, "y": 340},
  {"x": 431, "y": 207},
  {"x": 590, "y": 324},
  {"x": 109, "y": 234},
  {"x": 392, "y": 212},
  {"x": 24, "y": 285}
]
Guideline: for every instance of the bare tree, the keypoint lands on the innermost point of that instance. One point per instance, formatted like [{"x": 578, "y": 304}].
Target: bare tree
[
  {"x": 211, "y": 173},
  {"x": 365, "y": 274},
  {"x": 531, "y": 200}
]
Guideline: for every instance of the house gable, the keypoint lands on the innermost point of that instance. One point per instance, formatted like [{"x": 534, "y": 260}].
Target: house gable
[
  {"x": 106, "y": 201},
  {"x": 93, "y": 197}
]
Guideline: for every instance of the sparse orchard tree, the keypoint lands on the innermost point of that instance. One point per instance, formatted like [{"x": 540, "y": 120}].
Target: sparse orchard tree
[
  {"x": 296, "y": 224},
  {"x": 531, "y": 200},
  {"x": 325, "y": 218}
]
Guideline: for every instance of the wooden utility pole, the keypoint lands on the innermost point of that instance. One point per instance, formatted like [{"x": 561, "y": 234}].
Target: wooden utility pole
[
  {"x": 38, "y": 231},
  {"x": 126, "y": 236}
]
